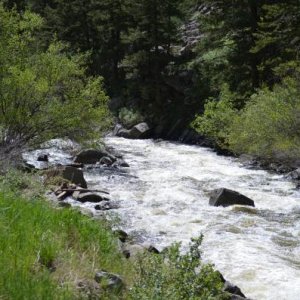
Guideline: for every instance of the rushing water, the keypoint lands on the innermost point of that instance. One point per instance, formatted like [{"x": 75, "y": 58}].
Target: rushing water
[{"x": 163, "y": 198}]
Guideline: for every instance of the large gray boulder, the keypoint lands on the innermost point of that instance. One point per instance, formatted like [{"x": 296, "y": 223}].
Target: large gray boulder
[
  {"x": 92, "y": 156},
  {"x": 139, "y": 131},
  {"x": 225, "y": 197},
  {"x": 71, "y": 174}
]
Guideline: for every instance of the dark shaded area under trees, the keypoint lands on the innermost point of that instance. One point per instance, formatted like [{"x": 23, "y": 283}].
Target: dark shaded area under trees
[{"x": 163, "y": 60}]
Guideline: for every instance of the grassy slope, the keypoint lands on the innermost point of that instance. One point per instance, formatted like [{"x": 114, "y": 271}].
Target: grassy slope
[{"x": 45, "y": 252}]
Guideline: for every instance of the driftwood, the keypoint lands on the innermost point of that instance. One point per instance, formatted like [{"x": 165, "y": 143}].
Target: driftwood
[{"x": 70, "y": 190}]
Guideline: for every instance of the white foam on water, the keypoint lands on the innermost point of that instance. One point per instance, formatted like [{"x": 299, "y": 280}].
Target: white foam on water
[{"x": 164, "y": 196}]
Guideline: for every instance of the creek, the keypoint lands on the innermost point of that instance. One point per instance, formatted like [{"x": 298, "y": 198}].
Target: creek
[{"x": 163, "y": 198}]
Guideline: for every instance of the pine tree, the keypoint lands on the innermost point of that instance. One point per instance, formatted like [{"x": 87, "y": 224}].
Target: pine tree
[
  {"x": 224, "y": 54},
  {"x": 278, "y": 38},
  {"x": 152, "y": 34}
]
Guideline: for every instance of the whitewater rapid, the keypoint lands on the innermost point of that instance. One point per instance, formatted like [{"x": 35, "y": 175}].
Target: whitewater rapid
[{"x": 163, "y": 198}]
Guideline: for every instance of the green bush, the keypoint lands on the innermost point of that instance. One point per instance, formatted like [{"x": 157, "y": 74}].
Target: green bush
[
  {"x": 269, "y": 125},
  {"x": 44, "y": 93},
  {"x": 217, "y": 117},
  {"x": 129, "y": 117},
  {"x": 176, "y": 276}
]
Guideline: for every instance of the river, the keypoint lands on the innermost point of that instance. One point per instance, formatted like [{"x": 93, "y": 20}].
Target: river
[{"x": 163, "y": 198}]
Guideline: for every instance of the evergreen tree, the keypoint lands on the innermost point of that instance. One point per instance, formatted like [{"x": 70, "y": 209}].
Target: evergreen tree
[
  {"x": 152, "y": 34},
  {"x": 278, "y": 39},
  {"x": 224, "y": 55}
]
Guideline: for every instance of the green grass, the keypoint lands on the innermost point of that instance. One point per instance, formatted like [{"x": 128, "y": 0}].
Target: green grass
[
  {"x": 45, "y": 252},
  {"x": 53, "y": 253}
]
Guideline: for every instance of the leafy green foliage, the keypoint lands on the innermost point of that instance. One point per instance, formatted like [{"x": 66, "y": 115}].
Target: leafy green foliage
[
  {"x": 278, "y": 37},
  {"x": 217, "y": 117},
  {"x": 173, "y": 275},
  {"x": 44, "y": 94},
  {"x": 129, "y": 117},
  {"x": 269, "y": 124}
]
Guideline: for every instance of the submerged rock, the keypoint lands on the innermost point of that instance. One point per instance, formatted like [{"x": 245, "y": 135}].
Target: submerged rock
[{"x": 225, "y": 197}]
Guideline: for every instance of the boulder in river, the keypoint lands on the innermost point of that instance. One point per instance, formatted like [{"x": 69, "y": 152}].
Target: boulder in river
[
  {"x": 43, "y": 157},
  {"x": 233, "y": 289},
  {"x": 295, "y": 175},
  {"x": 88, "y": 197},
  {"x": 225, "y": 197},
  {"x": 71, "y": 174},
  {"x": 92, "y": 156},
  {"x": 139, "y": 131}
]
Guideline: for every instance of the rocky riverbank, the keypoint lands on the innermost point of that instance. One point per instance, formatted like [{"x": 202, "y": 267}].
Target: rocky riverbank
[{"x": 69, "y": 186}]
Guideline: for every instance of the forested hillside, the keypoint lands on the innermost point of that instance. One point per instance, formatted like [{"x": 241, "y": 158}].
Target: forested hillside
[{"x": 229, "y": 68}]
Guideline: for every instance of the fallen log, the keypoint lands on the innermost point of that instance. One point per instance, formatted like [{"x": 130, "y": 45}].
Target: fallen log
[{"x": 82, "y": 191}]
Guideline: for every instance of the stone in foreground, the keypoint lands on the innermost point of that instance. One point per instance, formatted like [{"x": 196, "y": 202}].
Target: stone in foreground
[
  {"x": 109, "y": 281},
  {"x": 225, "y": 197}
]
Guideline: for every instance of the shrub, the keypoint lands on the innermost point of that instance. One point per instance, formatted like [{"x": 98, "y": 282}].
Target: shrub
[
  {"x": 217, "y": 118},
  {"x": 270, "y": 123},
  {"x": 172, "y": 275},
  {"x": 44, "y": 94},
  {"x": 129, "y": 117}
]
